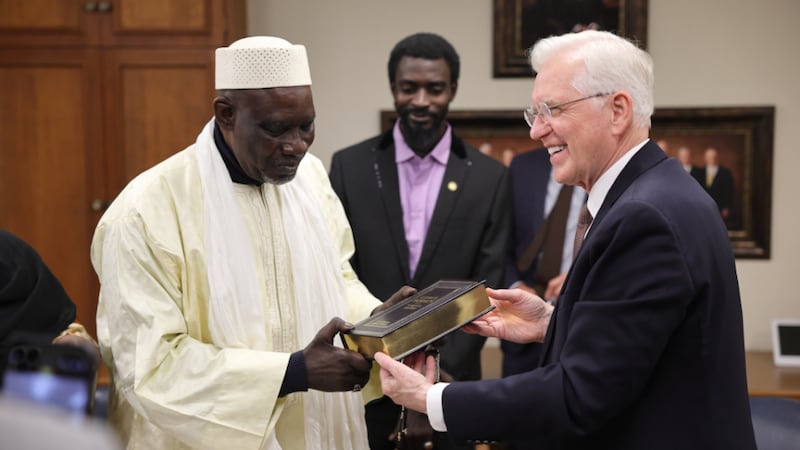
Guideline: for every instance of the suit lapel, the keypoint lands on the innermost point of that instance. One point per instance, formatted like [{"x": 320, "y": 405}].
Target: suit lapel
[
  {"x": 452, "y": 185},
  {"x": 646, "y": 158},
  {"x": 386, "y": 173}
]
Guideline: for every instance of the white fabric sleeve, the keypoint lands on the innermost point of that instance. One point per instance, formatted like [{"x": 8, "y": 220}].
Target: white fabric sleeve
[{"x": 434, "y": 404}]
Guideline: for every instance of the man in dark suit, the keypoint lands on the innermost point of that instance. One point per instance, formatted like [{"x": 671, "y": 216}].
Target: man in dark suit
[
  {"x": 684, "y": 156},
  {"x": 644, "y": 348},
  {"x": 539, "y": 215},
  {"x": 423, "y": 204},
  {"x": 718, "y": 182}
]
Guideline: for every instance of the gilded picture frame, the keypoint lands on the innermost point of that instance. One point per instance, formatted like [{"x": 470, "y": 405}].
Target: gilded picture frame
[
  {"x": 518, "y": 24},
  {"x": 742, "y": 139}
]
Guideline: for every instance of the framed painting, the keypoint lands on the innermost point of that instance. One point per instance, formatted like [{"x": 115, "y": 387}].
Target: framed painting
[
  {"x": 737, "y": 140},
  {"x": 518, "y": 24}
]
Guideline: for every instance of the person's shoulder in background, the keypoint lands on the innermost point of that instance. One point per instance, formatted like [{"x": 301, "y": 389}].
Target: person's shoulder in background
[
  {"x": 31, "y": 297},
  {"x": 482, "y": 160},
  {"x": 365, "y": 145}
]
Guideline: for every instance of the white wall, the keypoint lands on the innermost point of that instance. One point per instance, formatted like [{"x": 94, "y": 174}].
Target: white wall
[{"x": 707, "y": 53}]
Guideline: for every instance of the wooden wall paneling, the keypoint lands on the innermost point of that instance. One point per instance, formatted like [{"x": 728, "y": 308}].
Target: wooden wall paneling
[
  {"x": 157, "y": 103},
  {"x": 55, "y": 23},
  {"x": 50, "y": 158},
  {"x": 174, "y": 23},
  {"x": 91, "y": 94}
]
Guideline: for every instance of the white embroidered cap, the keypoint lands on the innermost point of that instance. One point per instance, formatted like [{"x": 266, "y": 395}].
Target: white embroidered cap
[{"x": 258, "y": 62}]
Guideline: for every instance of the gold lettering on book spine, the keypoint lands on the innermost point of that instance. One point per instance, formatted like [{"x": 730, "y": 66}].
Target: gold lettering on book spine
[{"x": 452, "y": 313}]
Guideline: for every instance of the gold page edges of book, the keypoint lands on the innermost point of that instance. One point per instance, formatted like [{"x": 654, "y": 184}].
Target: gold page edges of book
[{"x": 419, "y": 320}]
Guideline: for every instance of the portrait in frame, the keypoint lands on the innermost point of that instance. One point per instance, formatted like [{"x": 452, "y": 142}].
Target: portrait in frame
[
  {"x": 739, "y": 141},
  {"x": 518, "y": 24},
  {"x": 741, "y": 136}
]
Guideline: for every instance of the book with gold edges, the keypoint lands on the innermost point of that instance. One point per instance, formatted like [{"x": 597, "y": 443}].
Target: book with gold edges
[{"x": 419, "y": 320}]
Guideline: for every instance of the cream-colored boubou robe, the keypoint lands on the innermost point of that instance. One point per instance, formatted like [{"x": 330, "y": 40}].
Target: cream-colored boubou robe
[{"x": 172, "y": 388}]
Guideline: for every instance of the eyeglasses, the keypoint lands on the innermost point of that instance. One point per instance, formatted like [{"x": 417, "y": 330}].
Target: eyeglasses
[{"x": 546, "y": 112}]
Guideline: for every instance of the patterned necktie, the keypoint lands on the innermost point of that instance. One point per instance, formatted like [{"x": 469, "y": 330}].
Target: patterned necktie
[{"x": 584, "y": 221}]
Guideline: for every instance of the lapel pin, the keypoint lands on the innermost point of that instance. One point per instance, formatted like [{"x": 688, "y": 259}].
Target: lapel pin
[{"x": 452, "y": 186}]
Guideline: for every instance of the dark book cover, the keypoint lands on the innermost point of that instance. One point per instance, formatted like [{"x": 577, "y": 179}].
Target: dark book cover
[{"x": 419, "y": 320}]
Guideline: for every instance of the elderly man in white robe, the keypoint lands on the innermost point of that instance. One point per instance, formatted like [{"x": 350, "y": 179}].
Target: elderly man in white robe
[{"x": 225, "y": 277}]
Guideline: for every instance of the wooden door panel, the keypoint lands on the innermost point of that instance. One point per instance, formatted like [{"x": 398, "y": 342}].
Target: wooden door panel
[
  {"x": 173, "y": 15},
  {"x": 126, "y": 23},
  {"x": 26, "y": 23},
  {"x": 92, "y": 93},
  {"x": 49, "y": 156},
  {"x": 173, "y": 23},
  {"x": 159, "y": 101}
]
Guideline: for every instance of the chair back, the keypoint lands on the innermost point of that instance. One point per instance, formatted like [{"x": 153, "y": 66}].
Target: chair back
[{"x": 776, "y": 422}]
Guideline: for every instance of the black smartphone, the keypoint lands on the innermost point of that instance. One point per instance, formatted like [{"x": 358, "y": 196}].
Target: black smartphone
[{"x": 62, "y": 376}]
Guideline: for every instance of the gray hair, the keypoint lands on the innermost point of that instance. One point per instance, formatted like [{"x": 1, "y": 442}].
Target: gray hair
[{"x": 610, "y": 63}]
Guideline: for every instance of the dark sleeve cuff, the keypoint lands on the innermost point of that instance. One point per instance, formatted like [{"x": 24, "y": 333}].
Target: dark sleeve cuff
[{"x": 295, "y": 379}]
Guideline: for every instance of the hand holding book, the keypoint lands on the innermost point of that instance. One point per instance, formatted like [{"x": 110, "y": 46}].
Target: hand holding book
[
  {"x": 330, "y": 368},
  {"x": 401, "y": 294},
  {"x": 519, "y": 317},
  {"x": 418, "y": 320}
]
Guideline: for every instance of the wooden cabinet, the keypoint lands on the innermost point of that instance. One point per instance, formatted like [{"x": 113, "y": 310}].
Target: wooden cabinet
[
  {"x": 91, "y": 94},
  {"x": 120, "y": 23}
]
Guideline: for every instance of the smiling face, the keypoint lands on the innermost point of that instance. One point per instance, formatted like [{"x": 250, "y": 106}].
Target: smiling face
[
  {"x": 268, "y": 130},
  {"x": 422, "y": 94},
  {"x": 577, "y": 136}
]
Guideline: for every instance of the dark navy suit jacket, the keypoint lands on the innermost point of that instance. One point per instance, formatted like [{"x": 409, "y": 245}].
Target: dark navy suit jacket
[{"x": 645, "y": 349}]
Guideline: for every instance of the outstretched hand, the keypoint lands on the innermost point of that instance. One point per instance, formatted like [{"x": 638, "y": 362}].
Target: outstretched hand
[
  {"x": 519, "y": 316},
  {"x": 404, "y": 384},
  {"x": 334, "y": 369}
]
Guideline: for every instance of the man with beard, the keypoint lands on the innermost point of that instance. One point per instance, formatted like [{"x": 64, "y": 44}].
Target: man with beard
[
  {"x": 424, "y": 205},
  {"x": 224, "y": 278}
]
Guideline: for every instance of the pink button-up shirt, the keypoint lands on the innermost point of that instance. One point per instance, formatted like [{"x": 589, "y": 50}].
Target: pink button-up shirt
[{"x": 420, "y": 180}]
